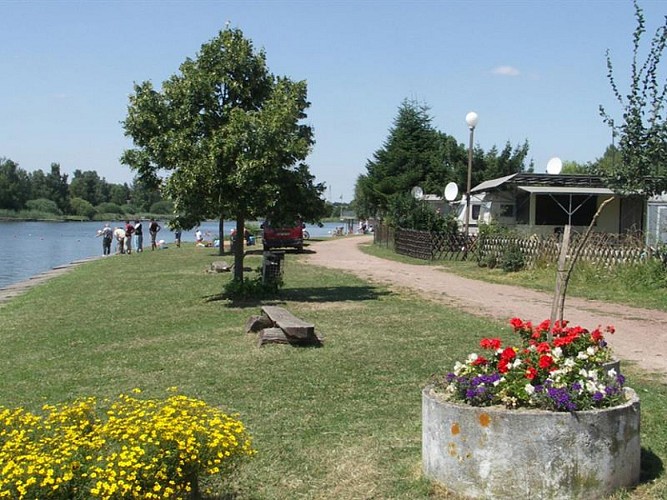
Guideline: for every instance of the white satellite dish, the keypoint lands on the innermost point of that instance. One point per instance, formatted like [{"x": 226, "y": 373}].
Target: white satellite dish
[
  {"x": 451, "y": 191},
  {"x": 554, "y": 166},
  {"x": 417, "y": 193}
]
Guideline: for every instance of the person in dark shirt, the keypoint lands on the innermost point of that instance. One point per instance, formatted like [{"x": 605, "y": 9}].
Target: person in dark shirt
[
  {"x": 139, "y": 233},
  {"x": 153, "y": 229}
]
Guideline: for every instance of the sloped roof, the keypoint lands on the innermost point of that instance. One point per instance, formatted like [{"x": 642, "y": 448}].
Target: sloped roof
[{"x": 584, "y": 183}]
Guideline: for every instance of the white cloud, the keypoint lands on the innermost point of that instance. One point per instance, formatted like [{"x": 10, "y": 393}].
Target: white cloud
[{"x": 505, "y": 71}]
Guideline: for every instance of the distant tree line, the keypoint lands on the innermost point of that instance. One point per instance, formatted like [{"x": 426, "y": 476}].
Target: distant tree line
[{"x": 85, "y": 195}]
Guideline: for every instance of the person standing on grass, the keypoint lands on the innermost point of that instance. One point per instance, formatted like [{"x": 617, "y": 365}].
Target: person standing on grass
[
  {"x": 139, "y": 233},
  {"x": 129, "y": 231},
  {"x": 107, "y": 235},
  {"x": 119, "y": 234},
  {"x": 178, "y": 237},
  {"x": 153, "y": 229}
]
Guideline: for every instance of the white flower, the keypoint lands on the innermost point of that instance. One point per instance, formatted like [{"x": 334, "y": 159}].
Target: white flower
[
  {"x": 590, "y": 351},
  {"x": 516, "y": 363},
  {"x": 458, "y": 366},
  {"x": 582, "y": 355},
  {"x": 592, "y": 387},
  {"x": 530, "y": 390},
  {"x": 557, "y": 352},
  {"x": 612, "y": 373},
  {"x": 583, "y": 373},
  {"x": 569, "y": 362},
  {"x": 472, "y": 357}
]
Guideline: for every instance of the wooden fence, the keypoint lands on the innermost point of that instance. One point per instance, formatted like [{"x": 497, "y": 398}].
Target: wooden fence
[{"x": 600, "y": 249}]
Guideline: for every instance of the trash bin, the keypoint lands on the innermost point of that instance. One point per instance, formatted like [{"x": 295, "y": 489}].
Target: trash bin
[{"x": 272, "y": 266}]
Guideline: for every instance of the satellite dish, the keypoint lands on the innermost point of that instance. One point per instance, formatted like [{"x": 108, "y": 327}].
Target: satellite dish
[
  {"x": 417, "y": 193},
  {"x": 554, "y": 166},
  {"x": 451, "y": 191}
]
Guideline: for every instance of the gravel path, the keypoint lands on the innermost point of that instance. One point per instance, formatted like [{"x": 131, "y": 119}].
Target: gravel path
[{"x": 641, "y": 334}]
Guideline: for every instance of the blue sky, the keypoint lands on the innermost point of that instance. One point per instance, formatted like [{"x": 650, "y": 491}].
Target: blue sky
[{"x": 532, "y": 70}]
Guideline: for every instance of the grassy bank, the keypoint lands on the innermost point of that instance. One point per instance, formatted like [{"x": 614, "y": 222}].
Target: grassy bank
[{"x": 342, "y": 421}]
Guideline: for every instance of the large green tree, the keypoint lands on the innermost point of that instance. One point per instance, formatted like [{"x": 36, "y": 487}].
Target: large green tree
[
  {"x": 416, "y": 154},
  {"x": 14, "y": 185},
  {"x": 225, "y": 138},
  {"x": 89, "y": 186},
  {"x": 412, "y": 155},
  {"x": 642, "y": 132}
]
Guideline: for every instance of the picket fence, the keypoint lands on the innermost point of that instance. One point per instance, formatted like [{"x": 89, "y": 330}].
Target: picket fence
[{"x": 601, "y": 248}]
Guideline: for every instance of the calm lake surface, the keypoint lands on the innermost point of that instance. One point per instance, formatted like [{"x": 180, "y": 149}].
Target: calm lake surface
[{"x": 31, "y": 248}]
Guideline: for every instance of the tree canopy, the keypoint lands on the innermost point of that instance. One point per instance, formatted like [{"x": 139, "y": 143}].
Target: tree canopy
[{"x": 226, "y": 138}]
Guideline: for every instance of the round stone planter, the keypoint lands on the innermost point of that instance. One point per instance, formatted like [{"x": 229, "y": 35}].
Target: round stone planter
[{"x": 499, "y": 453}]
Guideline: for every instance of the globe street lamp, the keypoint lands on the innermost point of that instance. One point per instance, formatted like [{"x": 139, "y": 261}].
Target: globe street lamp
[{"x": 471, "y": 120}]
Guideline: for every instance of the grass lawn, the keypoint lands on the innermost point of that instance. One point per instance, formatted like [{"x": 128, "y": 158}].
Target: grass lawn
[{"x": 342, "y": 421}]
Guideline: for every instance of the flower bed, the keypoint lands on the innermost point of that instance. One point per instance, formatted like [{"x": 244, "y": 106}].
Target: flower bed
[
  {"x": 566, "y": 374},
  {"x": 547, "y": 418},
  {"x": 129, "y": 448}
]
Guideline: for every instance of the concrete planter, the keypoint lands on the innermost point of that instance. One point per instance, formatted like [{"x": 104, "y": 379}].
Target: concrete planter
[{"x": 499, "y": 453}]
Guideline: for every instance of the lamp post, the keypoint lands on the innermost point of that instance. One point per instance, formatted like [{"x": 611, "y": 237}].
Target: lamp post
[{"x": 471, "y": 120}]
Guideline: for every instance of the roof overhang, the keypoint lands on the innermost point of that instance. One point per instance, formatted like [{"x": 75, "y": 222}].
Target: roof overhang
[{"x": 566, "y": 190}]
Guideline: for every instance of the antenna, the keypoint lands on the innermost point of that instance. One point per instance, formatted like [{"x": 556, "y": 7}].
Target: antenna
[
  {"x": 451, "y": 191},
  {"x": 417, "y": 193},
  {"x": 554, "y": 166}
]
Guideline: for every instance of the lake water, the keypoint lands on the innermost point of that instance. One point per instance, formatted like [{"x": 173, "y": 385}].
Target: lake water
[{"x": 31, "y": 248}]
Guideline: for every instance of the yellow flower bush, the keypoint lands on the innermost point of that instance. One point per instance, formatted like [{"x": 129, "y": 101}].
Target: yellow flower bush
[{"x": 133, "y": 448}]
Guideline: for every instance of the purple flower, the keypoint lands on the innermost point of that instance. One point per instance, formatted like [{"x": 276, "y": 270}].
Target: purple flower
[{"x": 598, "y": 396}]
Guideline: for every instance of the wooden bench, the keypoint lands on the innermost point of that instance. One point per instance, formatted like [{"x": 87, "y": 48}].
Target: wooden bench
[{"x": 278, "y": 325}]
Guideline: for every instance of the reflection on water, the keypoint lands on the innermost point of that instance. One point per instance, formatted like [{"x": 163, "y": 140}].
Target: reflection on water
[{"x": 31, "y": 248}]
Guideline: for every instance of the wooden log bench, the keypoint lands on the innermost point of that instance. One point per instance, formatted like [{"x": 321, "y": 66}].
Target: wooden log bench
[{"x": 278, "y": 325}]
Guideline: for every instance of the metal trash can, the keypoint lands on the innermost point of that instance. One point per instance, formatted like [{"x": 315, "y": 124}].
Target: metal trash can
[{"x": 272, "y": 266}]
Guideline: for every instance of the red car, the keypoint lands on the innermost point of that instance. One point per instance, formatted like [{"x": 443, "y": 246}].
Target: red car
[{"x": 282, "y": 237}]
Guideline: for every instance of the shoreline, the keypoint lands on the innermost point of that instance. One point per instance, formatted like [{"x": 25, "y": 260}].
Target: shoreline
[{"x": 15, "y": 289}]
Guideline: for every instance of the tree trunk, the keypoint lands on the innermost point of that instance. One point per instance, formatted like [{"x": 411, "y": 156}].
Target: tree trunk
[
  {"x": 561, "y": 272},
  {"x": 237, "y": 248},
  {"x": 565, "y": 272},
  {"x": 221, "y": 232}
]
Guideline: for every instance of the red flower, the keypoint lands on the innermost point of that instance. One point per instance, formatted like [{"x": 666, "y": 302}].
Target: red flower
[
  {"x": 517, "y": 323},
  {"x": 502, "y": 366},
  {"x": 545, "y": 361},
  {"x": 531, "y": 373},
  {"x": 543, "y": 347},
  {"x": 490, "y": 344},
  {"x": 508, "y": 354},
  {"x": 480, "y": 361},
  {"x": 544, "y": 326},
  {"x": 596, "y": 335},
  {"x": 563, "y": 341}
]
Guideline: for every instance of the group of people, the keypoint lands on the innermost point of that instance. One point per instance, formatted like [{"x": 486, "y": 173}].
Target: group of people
[{"x": 127, "y": 234}]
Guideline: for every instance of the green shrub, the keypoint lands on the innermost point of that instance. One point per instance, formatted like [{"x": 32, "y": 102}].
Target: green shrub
[
  {"x": 129, "y": 209},
  {"x": 109, "y": 208},
  {"x": 512, "y": 259},
  {"x": 43, "y": 205},
  {"x": 252, "y": 288},
  {"x": 82, "y": 207},
  {"x": 162, "y": 207}
]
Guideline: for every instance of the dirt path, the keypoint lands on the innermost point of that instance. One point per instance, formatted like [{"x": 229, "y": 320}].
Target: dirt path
[{"x": 641, "y": 334}]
